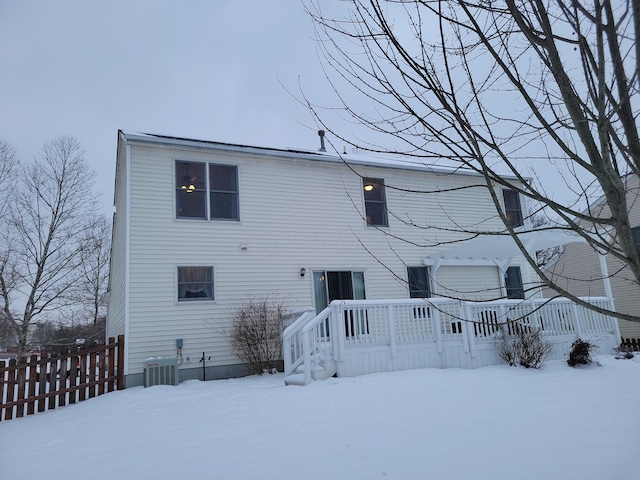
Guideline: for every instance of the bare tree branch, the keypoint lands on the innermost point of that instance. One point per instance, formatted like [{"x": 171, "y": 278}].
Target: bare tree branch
[
  {"x": 45, "y": 234},
  {"x": 505, "y": 90}
]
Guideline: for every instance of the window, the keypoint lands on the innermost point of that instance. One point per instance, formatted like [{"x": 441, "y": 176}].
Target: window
[
  {"x": 513, "y": 283},
  {"x": 223, "y": 192},
  {"x": 418, "y": 278},
  {"x": 512, "y": 209},
  {"x": 635, "y": 232},
  {"x": 215, "y": 198},
  {"x": 342, "y": 285},
  {"x": 190, "y": 190},
  {"x": 195, "y": 283},
  {"x": 329, "y": 286},
  {"x": 375, "y": 203}
]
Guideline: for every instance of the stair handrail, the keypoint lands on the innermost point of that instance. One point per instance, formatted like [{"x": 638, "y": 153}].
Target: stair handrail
[
  {"x": 302, "y": 318},
  {"x": 302, "y": 348}
]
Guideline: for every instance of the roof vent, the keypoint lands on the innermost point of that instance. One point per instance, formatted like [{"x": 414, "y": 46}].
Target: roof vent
[{"x": 321, "y": 135}]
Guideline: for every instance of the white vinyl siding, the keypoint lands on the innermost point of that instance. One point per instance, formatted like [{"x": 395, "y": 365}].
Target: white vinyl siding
[
  {"x": 295, "y": 214},
  {"x": 116, "y": 311},
  {"x": 476, "y": 283},
  {"x": 578, "y": 270}
]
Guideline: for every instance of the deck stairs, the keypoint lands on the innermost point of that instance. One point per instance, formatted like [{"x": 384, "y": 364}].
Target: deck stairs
[
  {"x": 308, "y": 349},
  {"x": 319, "y": 371}
]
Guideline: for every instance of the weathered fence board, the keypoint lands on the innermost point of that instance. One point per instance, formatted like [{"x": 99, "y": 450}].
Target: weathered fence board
[
  {"x": 630, "y": 345},
  {"x": 51, "y": 382}
]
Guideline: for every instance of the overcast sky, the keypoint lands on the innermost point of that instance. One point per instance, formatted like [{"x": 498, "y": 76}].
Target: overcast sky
[
  {"x": 223, "y": 70},
  {"x": 213, "y": 70}
]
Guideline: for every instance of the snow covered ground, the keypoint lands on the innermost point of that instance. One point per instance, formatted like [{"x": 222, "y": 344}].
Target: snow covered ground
[{"x": 492, "y": 423}]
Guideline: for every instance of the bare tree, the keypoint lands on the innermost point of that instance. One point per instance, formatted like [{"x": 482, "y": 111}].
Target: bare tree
[
  {"x": 8, "y": 174},
  {"x": 94, "y": 267},
  {"x": 43, "y": 231},
  {"x": 8, "y": 171},
  {"x": 502, "y": 88}
]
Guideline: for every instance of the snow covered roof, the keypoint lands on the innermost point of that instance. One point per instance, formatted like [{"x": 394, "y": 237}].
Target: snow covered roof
[{"x": 387, "y": 161}]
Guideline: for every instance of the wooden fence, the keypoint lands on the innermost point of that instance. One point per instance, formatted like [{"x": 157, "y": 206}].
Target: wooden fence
[
  {"x": 44, "y": 382},
  {"x": 630, "y": 345}
]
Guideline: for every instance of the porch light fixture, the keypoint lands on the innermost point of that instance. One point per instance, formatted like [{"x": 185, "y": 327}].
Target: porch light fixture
[
  {"x": 303, "y": 271},
  {"x": 368, "y": 187}
]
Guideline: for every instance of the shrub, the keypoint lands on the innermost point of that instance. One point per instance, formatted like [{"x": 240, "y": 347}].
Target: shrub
[
  {"x": 580, "y": 353},
  {"x": 624, "y": 351},
  {"x": 256, "y": 334},
  {"x": 505, "y": 346},
  {"x": 524, "y": 346}
]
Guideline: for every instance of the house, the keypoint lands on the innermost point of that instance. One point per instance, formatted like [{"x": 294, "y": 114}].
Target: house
[
  {"x": 202, "y": 227},
  {"x": 578, "y": 269}
]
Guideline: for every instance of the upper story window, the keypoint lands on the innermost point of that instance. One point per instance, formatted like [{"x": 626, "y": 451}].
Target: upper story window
[
  {"x": 207, "y": 191},
  {"x": 375, "y": 202},
  {"x": 418, "y": 278},
  {"x": 191, "y": 192},
  {"x": 223, "y": 192},
  {"x": 512, "y": 208},
  {"x": 513, "y": 283},
  {"x": 195, "y": 283}
]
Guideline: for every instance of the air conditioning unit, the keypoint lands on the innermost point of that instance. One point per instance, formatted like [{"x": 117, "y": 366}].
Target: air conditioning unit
[{"x": 160, "y": 371}]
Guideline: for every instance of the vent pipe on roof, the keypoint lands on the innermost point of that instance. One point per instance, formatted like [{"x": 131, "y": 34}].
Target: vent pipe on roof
[{"x": 321, "y": 135}]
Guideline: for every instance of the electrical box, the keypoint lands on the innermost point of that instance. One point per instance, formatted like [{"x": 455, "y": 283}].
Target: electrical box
[{"x": 179, "y": 343}]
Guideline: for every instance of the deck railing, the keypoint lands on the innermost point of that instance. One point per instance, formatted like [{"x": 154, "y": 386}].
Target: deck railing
[
  {"x": 307, "y": 334},
  {"x": 353, "y": 324}
]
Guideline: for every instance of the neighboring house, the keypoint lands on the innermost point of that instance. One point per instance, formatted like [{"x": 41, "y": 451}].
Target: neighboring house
[
  {"x": 202, "y": 227},
  {"x": 578, "y": 268}
]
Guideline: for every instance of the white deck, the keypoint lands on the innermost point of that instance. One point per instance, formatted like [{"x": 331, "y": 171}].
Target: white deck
[{"x": 358, "y": 337}]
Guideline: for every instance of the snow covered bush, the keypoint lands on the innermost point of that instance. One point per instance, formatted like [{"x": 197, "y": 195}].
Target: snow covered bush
[
  {"x": 256, "y": 334},
  {"x": 524, "y": 346},
  {"x": 580, "y": 353},
  {"x": 506, "y": 347}
]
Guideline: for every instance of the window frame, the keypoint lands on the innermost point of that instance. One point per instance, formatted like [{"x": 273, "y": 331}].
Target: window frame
[
  {"x": 181, "y": 188},
  {"x": 207, "y": 191},
  {"x": 178, "y": 284},
  {"x": 514, "y": 291},
  {"x": 236, "y": 192},
  {"x": 635, "y": 234},
  {"x": 416, "y": 291},
  {"x": 320, "y": 281},
  {"x": 374, "y": 202},
  {"x": 510, "y": 208}
]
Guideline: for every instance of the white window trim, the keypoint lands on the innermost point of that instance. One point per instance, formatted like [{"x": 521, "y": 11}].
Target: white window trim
[
  {"x": 196, "y": 301},
  {"x": 207, "y": 193}
]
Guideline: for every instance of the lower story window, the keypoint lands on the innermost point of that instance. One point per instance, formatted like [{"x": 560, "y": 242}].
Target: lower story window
[
  {"x": 418, "y": 278},
  {"x": 513, "y": 283},
  {"x": 195, "y": 283},
  {"x": 344, "y": 285}
]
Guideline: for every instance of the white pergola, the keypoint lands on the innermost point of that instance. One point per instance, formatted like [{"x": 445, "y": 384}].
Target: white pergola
[{"x": 500, "y": 251}]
